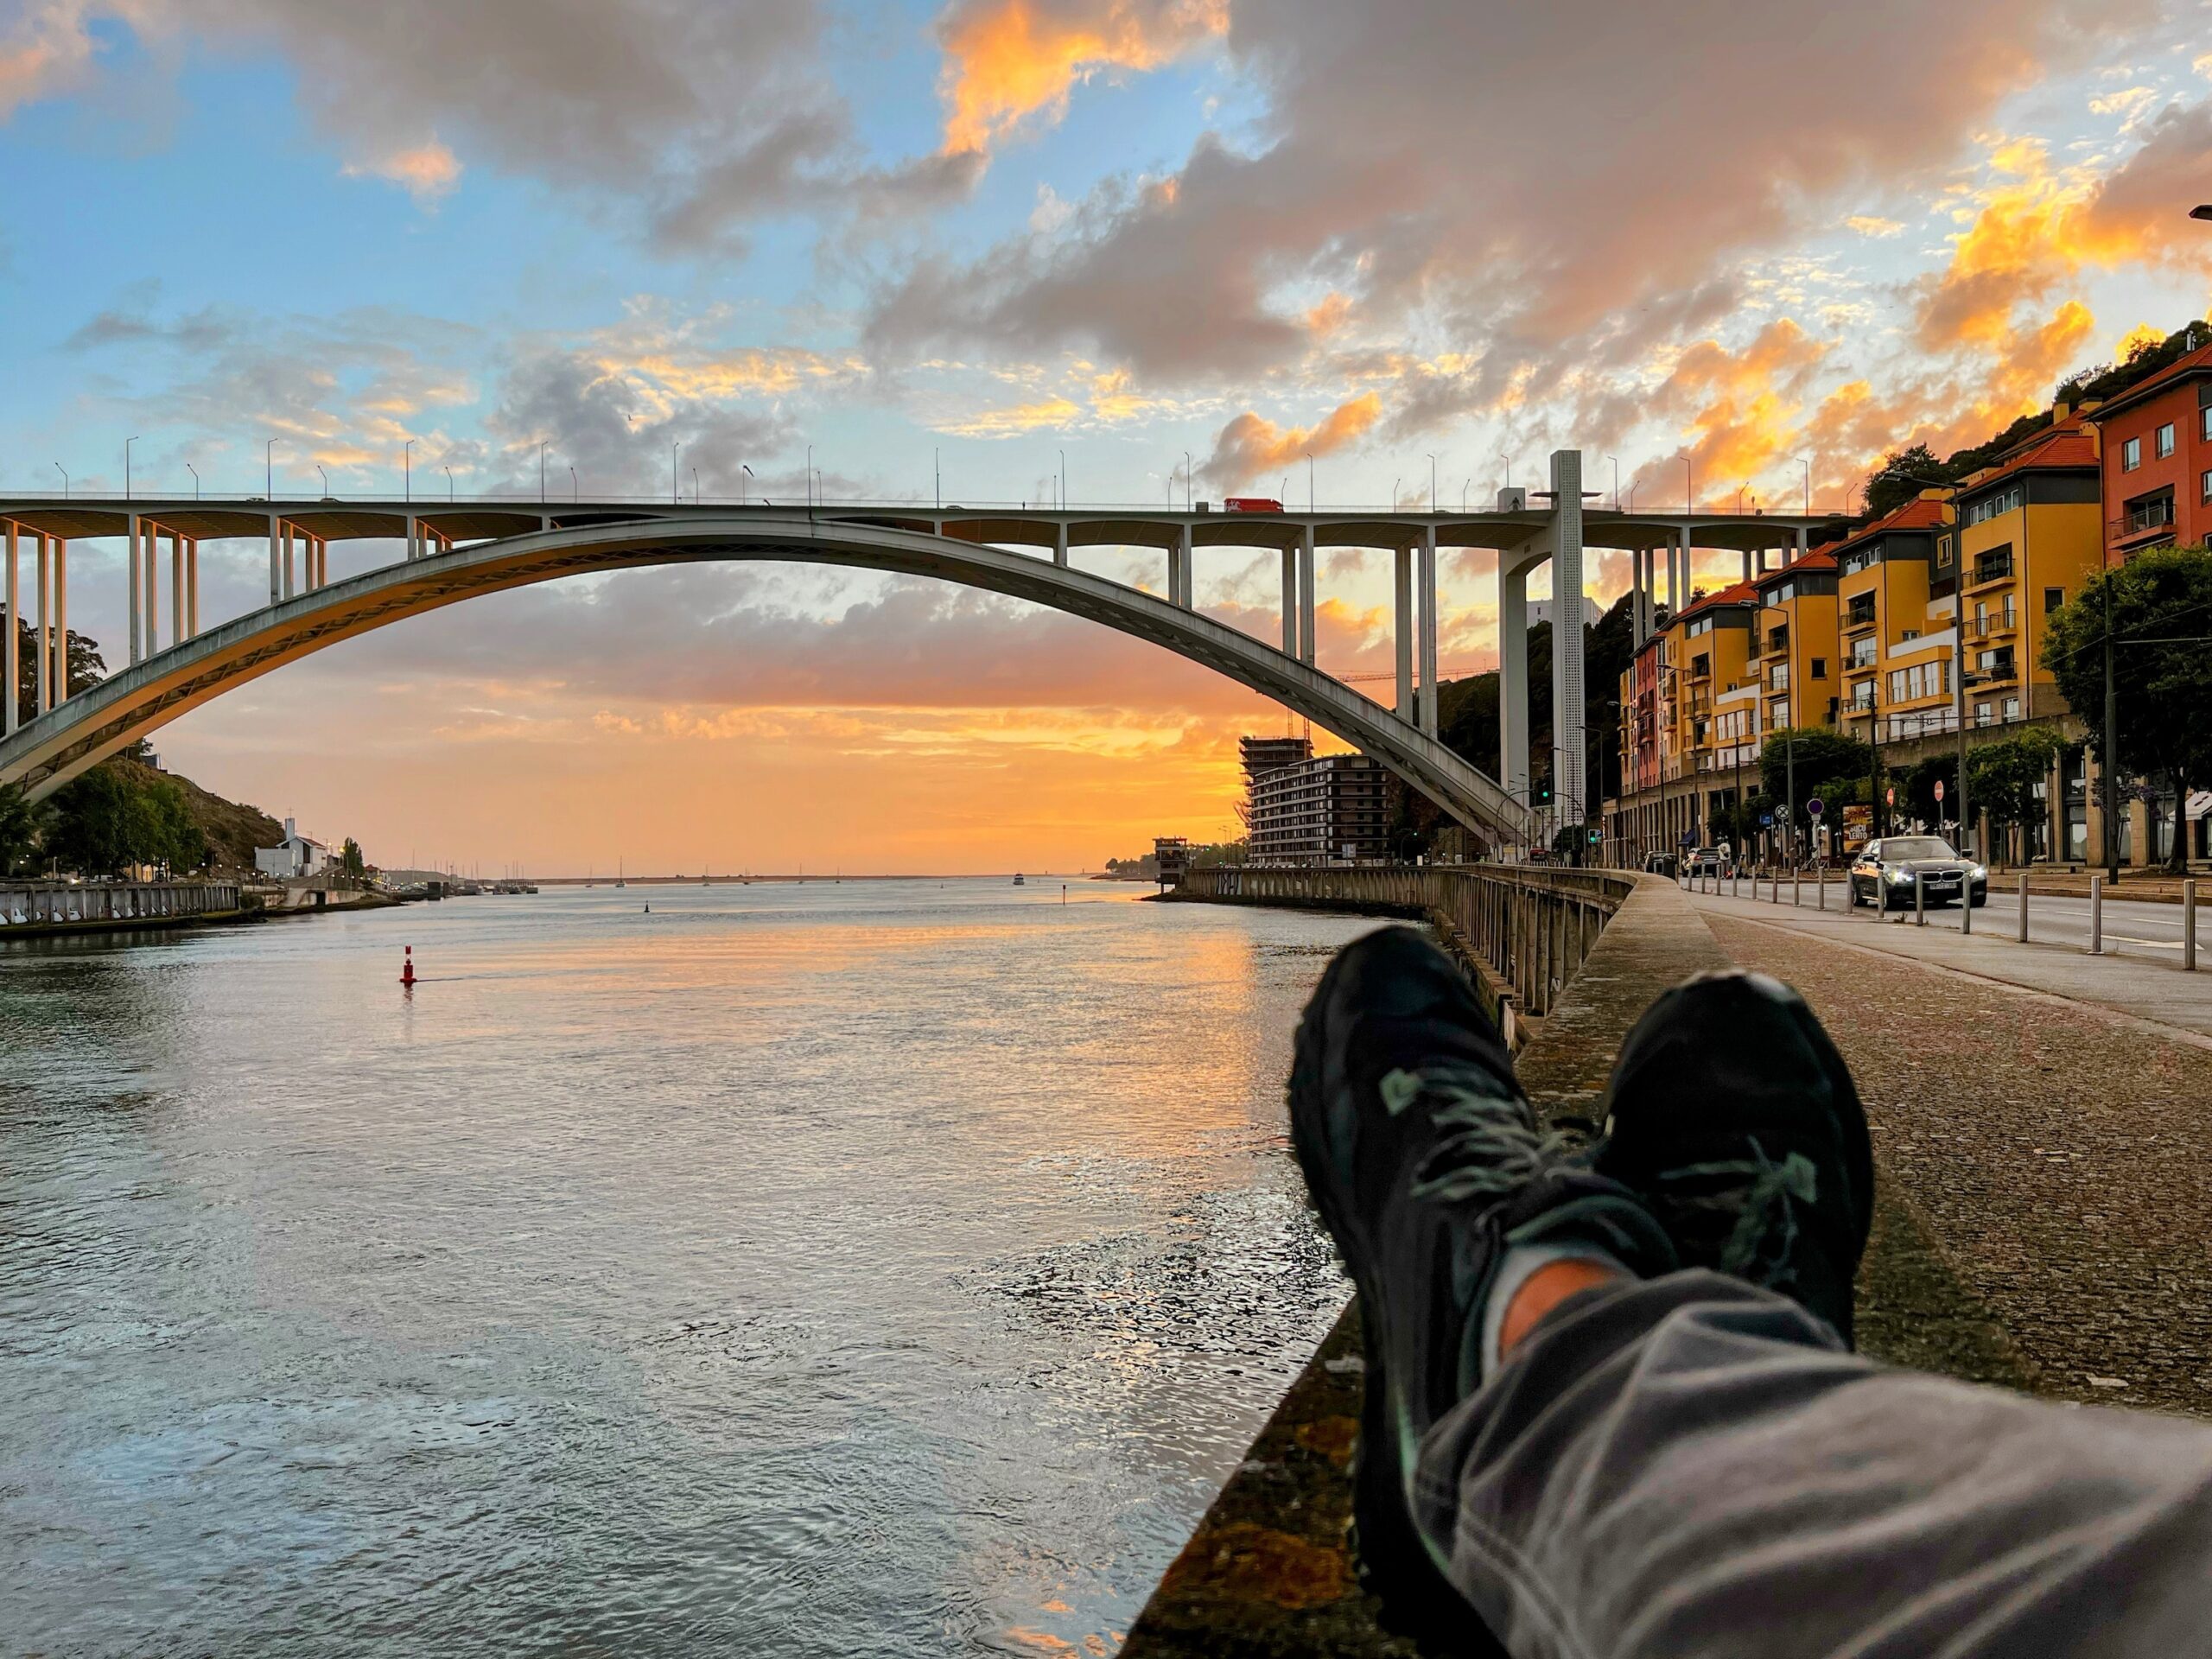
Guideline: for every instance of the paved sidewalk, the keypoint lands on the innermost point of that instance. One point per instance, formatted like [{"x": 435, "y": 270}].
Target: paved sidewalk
[{"x": 2153, "y": 990}]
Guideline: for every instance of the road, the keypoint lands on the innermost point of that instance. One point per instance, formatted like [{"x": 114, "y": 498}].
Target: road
[{"x": 2131, "y": 927}]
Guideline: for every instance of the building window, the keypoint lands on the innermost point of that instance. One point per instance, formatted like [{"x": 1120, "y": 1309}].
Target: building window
[
  {"x": 2204, "y": 423},
  {"x": 1820, "y": 670},
  {"x": 1897, "y": 685},
  {"x": 2011, "y": 708},
  {"x": 2204, "y": 484},
  {"x": 2055, "y": 597},
  {"x": 1994, "y": 506},
  {"x": 1981, "y": 713},
  {"x": 2162, "y": 444},
  {"x": 2131, "y": 454}
]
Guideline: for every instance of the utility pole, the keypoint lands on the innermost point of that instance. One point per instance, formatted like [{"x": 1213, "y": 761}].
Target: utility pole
[{"x": 2109, "y": 760}]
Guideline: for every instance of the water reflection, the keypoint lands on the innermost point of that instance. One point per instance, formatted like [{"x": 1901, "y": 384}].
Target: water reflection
[{"x": 868, "y": 1268}]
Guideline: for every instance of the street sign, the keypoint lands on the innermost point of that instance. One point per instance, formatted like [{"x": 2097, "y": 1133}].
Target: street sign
[
  {"x": 1890, "y": 795},
  {"x": 1939, "y": 789},
  {"x": 1766, "y": 820},
  {"x": 1814, "y": 807}
]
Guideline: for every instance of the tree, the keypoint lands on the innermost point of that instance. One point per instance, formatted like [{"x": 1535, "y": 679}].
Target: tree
[
  {"x": 86, "y": 670},
  {"x": 1902, "y": 475},
  {"x": 350, "y": 859},
  {"x": 2154, "y": 616},
  {"x": 21, "y": 826},
  {"x": 103, "y": 823},
  {"x": 2001, "y": 777},
  {"x": 1819, "y": 760}
]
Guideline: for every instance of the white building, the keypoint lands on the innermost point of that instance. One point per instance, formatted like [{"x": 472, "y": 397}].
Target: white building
[
  {"x": 295, "y": 857},
  {"x": 1540, "y": 610}
]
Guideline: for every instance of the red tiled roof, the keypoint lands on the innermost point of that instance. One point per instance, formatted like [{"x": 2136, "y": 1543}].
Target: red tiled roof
[
  {"x": 2197, "y": 361},
  {"x": 1822, "y": 559},
  {"x": 2050, "y": 449},
  {"x": 1742, "y": 593},
  {"x": 1919, "y": 513}
]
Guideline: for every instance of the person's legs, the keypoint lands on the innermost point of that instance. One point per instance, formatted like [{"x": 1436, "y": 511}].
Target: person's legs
[{"x": 1672, "y": 1462}]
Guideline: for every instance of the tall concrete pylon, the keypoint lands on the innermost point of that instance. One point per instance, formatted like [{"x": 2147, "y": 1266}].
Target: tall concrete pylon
[{"x": 1570, "y": 750}]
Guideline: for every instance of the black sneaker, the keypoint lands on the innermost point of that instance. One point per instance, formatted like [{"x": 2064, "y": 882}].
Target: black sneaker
[
  {"x": 1425, "y": 1162},
  {"x": 1733, "y": 1116}
]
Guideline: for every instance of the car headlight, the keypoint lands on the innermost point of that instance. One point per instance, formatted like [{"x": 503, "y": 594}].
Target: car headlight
[
  {"x": 1980, "y": 874},
  {"x": 1900, "y": 877}
]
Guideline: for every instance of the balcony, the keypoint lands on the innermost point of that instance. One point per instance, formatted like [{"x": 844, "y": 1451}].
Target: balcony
[
  {"x": 1998, "y": 671},
  {"x": 1991, "y": 566},
  {"x": 1991, "y": 624},
  {"x": 2142, "y": 518},
  {"x": 1865, "y": 653},
  {"x": 1859, "y": 616}
]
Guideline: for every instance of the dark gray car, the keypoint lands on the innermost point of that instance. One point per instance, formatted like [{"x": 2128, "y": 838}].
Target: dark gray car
[{"x": 1883, "y": 874}]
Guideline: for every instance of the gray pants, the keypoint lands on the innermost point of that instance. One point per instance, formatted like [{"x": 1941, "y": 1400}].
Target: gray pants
[{"x": 1689, "y": 1465}]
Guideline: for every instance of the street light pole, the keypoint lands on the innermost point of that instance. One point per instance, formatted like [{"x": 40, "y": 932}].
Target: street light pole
[
  {"x": 448, "y": 484},
  {"x": 127, "y": 442},
  {"x": 1615, "y": 459},
  {"x": 1186, "y": 480},
  {"x": 576, "y": 488},
  {"x": 674, "y": 493},
  {"x": 542, "y": 446},
  {"x": 64, "y": 471},
  {"x": 407, "y": 469},
  {"x": 194, "y": 471},
  {"x": 2110, "y": 758},
  {"x": 1434, "y": 506},
  {"x": 1309, "y": 481},
  {"x": 269, "y": 470}
]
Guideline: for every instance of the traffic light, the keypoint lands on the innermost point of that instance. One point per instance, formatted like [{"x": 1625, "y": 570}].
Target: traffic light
[
  {"x": 1593, "y": 838},
  {"x": 1543, "y": 792}
]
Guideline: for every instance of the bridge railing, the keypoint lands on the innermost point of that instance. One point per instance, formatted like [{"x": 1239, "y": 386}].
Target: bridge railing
[
  {"x": 44, "y": 905},
  {"x": 1532, "y": 926}
]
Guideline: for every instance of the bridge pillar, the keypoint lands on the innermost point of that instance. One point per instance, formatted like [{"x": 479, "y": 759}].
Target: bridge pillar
[
  {"x": 276, "y": 564},
  {"x": 1403, "y": 559},
  {"x": 413, "y": 538},
  {"x": 1290, "y": 601},
  {"x": 149, "y": 571},
  {"x": 1179, "y": 574},
  {"x": 1306, "y": 643},
  {"x": 1570, "y": 781},
  {"x": 60, "y": 621},
  {"x": 12, "y": 667},
  {"x": 288, "y": 559},
  {"x": 134, "y": 529},
  {"x": 1429, "y": 633},
  {"x": 176, "y": 587},
  {"x": 42, "y": 635},
  {"x": 1060, "y": 545},
  {"x": 1513, "y": 679},
  {"x": 189, "y": 622}
]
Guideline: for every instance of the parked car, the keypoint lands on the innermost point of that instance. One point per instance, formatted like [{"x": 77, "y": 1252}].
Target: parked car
[
  {"x": 1707, "y": 860},
  {"x": 1883, "y": 872},
  {"x": 1660, "y": 864}
]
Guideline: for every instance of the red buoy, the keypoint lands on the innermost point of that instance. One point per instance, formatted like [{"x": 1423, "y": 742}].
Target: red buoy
[{"x": 407, "y": 971}]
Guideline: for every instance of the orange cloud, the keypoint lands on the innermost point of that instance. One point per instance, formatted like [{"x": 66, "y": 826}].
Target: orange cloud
[
  {"x": 425, "y": 171},
  {"x": 1007, "y": 60},
  {"x": 1251, "y": 444}
]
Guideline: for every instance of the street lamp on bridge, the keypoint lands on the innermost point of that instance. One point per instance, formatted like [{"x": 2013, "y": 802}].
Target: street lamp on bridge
[
  {"x": 194, "y": 471},
  {"x": 127, "y": 442},
  {"x": 64, "y": 471},
  {"x": 407, "y": 469}
]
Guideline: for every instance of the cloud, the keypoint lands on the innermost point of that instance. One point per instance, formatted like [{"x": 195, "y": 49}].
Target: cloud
[
  {"x": 1251, "y": 445},
  {"x": 1207, "y": 275},
  {"x": 1869, "y": 224},
  {"x": 1005, "y": 61},
  {"x": 426, "y": 171},
  {"x": 2033, "y": 228},
  {"x": 46, "y": 49}
]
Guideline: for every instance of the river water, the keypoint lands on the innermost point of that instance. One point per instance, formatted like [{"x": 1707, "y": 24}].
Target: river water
[{"x": 860, "y": 1268}]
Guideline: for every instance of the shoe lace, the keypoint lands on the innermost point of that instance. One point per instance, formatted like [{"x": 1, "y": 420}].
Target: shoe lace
[
  {"x": 1488, "y": 1144},
  {"x": 1758, "y": 1192}
]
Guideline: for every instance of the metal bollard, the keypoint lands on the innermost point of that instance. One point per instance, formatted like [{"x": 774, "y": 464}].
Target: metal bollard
[
  {"x": 2023, "y": 907},
  {"x": 1735, "y": 879},
  {"x": 1796, "y": 895},
  {"x": 1820, "y": 885},
  {"x": 1920, "y": 898},
  {"x": 2096, "y": 915},
  {"x": 1966, "y": 902},
  {"x": 2188, "y": 925}
]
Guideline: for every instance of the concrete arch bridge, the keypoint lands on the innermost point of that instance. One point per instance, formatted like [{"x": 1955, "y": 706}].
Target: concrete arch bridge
[{"x": 457, "y": 550}]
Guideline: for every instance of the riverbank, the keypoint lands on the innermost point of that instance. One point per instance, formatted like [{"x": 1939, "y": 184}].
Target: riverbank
[{"x": 85, "y": 913}]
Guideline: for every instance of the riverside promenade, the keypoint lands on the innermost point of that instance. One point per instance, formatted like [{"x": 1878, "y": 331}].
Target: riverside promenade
[{"x": 2044, "y": 1218}]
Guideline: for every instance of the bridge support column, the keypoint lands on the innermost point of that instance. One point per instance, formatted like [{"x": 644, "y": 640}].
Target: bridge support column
[
  {"x": 1570, "y": 768},
  {"x": 1801, "y": 544},
  {"x": 176, "y": 587},
  {"x": 190, "y": 622},
  {"x": 287, "y": 560},
  {"x": 42, "y": 634},
  {"x": 1060, "y": 545},
  {"x": 135, "y": 531},
  {"x": 1429, "y": 633},
  {"x": 276, "y": 564},
  {"x": 1306, "y": 643},
  {"x": 1180, "y": 574},
  {"x": 11, "y": 664},
  {"x": 1403, "y": 558},
  {"x": 1290, "y": 601},
  {"x": 149, "y": 570},
  {"x": 1512, "y": 680},
  {"x": 413, "y": 538},
  {"x": 60, "y": 621}
]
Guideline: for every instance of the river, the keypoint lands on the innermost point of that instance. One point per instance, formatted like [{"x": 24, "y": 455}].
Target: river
[{"x": 860, "y": 1269}]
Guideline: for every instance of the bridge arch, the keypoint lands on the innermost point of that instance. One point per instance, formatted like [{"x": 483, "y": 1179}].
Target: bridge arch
[{"x": 135, "y": 701}]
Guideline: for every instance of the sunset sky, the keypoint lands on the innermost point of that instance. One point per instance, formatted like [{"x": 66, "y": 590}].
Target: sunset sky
[{"x": 1753, "y": 232}]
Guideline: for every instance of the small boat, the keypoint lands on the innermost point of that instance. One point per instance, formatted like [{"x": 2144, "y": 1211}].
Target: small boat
[{"x": 1019, "y": 880}]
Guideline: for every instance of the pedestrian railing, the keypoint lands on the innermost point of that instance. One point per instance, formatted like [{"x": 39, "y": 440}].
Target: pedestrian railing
[
  {"x": 1533, "y": 926},
  {"x": 47, "y": 905}
]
